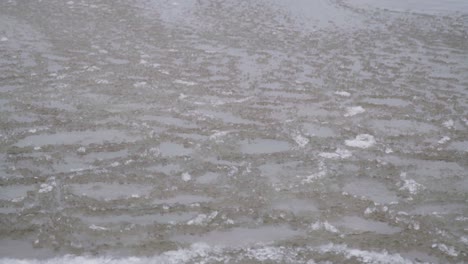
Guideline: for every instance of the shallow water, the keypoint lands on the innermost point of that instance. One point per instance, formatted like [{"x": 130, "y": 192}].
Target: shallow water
[{"x": 155, "y": 131}]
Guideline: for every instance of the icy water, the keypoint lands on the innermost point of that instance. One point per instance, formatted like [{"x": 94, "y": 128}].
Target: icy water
[{"x": 210, "y": 131}]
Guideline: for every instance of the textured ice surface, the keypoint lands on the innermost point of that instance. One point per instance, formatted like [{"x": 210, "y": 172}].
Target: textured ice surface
[
  {"x": 263, "y": 146},
  {"x": 239, "y": 237},
  {"x": 76, "y": 137},
  {"x": 370, "y": 189},
  {"x": 325, "y": 131}
]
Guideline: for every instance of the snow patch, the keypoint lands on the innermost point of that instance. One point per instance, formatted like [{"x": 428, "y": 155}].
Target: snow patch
[
  {"x": 218, "y": 135},
  {"x": 446, "y": 249},
  {"x": 102, "y": 81},
  {"x": 361, "y": 141},
  {"x": 444, "y": 140},
  {"x": 186, "y": 177},
  {"x": 184, "y": 82},
  {"x": 324, "y": 225},
  {"x": 370, "y": 210},
  {"x": 364, "y": 256},
  {"x": 204, "y": 253},
  {"x": 410, "y": 185},
  {"x": 343, "y": 93},
  {"x": 449, "y": 124},
  {"x": 301, "y": 140},
  {"x": 265, "y": 254},
  {"x": 48, "y": 186},
  {"x": 464, "y": 240},
  {"x": 139, "y": 84},
  {"x": 97, "y": 228},
  {"x": 316, "y": 176},
  {"x": 354, "y": 110},
  {"x": 338, "y": 154},
  {"x": 202, "y": 219},
  {"x": 92, "y": 68}
]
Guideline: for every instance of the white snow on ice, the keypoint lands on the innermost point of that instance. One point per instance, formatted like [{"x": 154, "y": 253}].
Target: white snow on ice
[
  {"x": 354, "y": 110},
  {"x": 338, "y": 154},
  {"x": 361, "y": 141},
  {"x": 301, "y": 140},
  {"x": 343, "y": 93}
]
